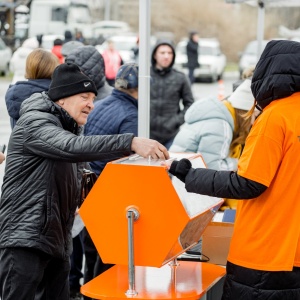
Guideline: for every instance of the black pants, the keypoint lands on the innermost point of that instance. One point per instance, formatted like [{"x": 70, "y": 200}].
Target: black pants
[
  {"x": 93, "y": 263},
  {"x": 76, "y": 264},
  {"x": 248, "y": 284},
  {"x": 29, "y": 274},
  {"x": 191, "y": 75}
]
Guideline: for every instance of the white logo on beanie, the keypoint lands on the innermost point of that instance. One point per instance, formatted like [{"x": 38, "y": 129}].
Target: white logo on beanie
[{"x": 86, "y": 84}]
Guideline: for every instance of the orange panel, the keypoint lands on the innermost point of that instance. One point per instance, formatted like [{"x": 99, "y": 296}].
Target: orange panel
[
  {"x": 189, "y": 280},
  {"x": 162, "y": 230},
  {"x": 150, "y": 191}
]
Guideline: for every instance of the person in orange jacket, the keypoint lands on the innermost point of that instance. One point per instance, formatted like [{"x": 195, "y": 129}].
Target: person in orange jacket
[
  {"x": 56, "y": 49},
  {"x": 264, "y": 256}
]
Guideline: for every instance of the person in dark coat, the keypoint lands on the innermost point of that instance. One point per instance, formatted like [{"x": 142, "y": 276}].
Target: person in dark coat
[
  {"x": 264, "y": 256},
  {"x": 192, "y": 52},
  {"x": 116, "y": 114},
  {"x": 41, "y": 185},
  {"x": 40, "y": 65},
  {"x": 169, "y": 89},
  {"x": 68, "y": 36},
  {"x": 91, "y": 63}
]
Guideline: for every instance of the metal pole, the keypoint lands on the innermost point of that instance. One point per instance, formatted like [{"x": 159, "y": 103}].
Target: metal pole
[
  {"x": 144, "y": 68},
  {"x": 260, "y": 26},
  {"x": 107, "y": 10},
  {"x": 132, "y": 215}
]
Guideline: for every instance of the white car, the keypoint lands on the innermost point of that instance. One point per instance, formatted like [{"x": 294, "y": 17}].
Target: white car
[
  {"x": 249, "y": 56},
  {"x": 109, "y": 28},
  {"x": 211, "y": 59},
  {"x": 5, "y": 56},
  {"x": 124, "y": 44}
]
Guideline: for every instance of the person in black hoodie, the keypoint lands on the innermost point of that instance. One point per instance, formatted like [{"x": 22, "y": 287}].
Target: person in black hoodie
[
  {"x": 169, "y": 89},
  {"x": 40, "y": 65}
]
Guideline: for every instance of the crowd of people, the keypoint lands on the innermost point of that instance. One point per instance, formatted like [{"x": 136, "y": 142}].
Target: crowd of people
[{"x": 73, "y": 108}]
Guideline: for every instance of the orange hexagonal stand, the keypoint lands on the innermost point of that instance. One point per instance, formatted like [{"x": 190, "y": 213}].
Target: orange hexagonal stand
[{"x": 163, "y": 229}]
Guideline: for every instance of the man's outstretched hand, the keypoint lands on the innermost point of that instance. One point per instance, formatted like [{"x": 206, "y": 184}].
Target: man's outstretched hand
[{"x": 149, "y": 148}]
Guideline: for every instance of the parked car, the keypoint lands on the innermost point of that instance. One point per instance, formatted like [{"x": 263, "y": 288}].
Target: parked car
[
  {"x": 106, "y": 29},
  {"x": 48, "y": 40},
  {"x": 211, "y": 59},
  {"x": 124, "y": 44},
  {"x": 5, "y": 56},
  {"x": 249, "y": 56}
]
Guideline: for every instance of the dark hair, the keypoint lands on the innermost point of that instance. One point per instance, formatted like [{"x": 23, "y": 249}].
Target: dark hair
[{"x": 57, "y": 42}]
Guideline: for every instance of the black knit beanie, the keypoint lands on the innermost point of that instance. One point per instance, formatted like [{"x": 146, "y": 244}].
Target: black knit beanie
[{"x": 68, "y": 80}]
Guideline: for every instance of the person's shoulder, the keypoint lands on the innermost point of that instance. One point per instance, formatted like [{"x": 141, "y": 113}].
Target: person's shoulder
[{"x": 180, "y": 74}]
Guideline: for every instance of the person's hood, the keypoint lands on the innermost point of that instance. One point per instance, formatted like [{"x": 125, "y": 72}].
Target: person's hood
[
  {"x": 277, "y": 73},
  {"x": 208, "y": 108},
  {"x": 22, "y": 52},
  {"x": 91, "y": 63},
  {"x": 168, "y": 43},
  {"x": 31, "y": 43},
  {"x": 22, "y": 90}
]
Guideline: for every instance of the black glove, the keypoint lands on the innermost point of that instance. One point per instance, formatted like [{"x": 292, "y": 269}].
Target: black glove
[{"x": 180, "y": 168}]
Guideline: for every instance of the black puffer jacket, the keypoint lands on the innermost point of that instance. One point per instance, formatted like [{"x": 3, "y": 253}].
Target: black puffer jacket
[
  {"x": 168, "y": 88},
  {"x": 91, "y": 63},
  {"x": 40, "y": 189}
]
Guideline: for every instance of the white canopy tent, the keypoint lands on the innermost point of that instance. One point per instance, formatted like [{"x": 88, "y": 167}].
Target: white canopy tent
[{"x": 261, "y": 14}]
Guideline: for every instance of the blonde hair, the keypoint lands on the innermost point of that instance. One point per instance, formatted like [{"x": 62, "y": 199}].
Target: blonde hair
[
  {"x": 248, "y": 72},
  {"x": 243, "y": 118},
  {"x": 40, "y": 64},
  {"x": 243, "y": 125}
]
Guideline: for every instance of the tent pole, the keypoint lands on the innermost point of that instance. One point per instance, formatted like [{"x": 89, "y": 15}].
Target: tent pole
[
  {"x": 144, "y": 68},
  {"x": 260, "y": 26}
]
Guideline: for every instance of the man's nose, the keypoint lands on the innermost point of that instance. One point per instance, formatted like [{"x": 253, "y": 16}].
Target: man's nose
[{"x": 91, "y": 104}]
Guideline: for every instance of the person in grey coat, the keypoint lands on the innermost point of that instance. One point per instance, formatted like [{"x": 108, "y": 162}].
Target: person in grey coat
[
  {"x": 41, "y": 185},
  {"x": 91, "y": 63}
]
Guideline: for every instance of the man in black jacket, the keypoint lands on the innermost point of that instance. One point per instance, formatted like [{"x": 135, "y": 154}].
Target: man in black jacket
[
  {"x": 192, "y": 54},
  {"x": 169, "y": 89},
  {"x": 41, "y": 185}
]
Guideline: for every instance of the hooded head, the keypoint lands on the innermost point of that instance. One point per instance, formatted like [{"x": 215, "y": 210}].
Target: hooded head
[
  {"x": 161, "y": 43},
  {"x": 277, "y": 72},
  {"x": 31, "y": 43},
  {"x": 90, "y": 61},
  {"x": 69, "y": 46}
]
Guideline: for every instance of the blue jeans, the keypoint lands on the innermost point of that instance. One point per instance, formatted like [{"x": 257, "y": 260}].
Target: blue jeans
[{"x": 29, "y": 274}]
